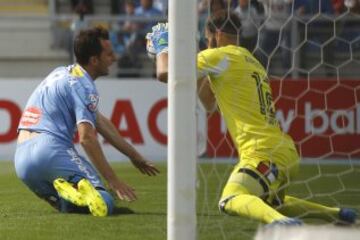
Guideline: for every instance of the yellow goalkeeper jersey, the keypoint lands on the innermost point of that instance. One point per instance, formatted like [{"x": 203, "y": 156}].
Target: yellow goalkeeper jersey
[{"x": 244, "y": 97}]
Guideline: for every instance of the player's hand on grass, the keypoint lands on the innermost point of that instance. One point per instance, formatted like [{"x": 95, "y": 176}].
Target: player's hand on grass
[
  {"x": 157, "y": 40},
  {"x": 145, "y": 167},
  {"x": 122, "y": 190}
]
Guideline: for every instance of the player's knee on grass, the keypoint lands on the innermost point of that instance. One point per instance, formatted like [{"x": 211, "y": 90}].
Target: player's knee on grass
[
  {"x": 231, "y": 191},
  {"x": 241, "y": 182},
  {"x": 231, "y": 204},
  {"x": 223, "y": 203}
]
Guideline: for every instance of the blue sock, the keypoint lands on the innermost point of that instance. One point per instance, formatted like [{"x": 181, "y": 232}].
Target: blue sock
[{"x": 108, "y": 199}]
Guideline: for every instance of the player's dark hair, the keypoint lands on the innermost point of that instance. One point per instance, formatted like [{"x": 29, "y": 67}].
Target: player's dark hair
[
  {"x": 130, "y": 2},
  {"x": 88, "y": 43},
  {"x": 224, "y": 21},
  {"x": 217, "y": 5}
]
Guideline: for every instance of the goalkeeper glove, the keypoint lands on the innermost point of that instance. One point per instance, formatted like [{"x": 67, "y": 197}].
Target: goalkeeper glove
[{"x": 157, "y": 40}]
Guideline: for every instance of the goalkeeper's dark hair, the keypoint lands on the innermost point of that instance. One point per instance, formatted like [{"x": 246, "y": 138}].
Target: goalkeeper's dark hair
[
  {"x": 88, "y": 43},
  {"x": 224, "y": 21}
]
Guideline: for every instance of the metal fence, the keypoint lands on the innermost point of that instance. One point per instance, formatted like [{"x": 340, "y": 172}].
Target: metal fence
[{"x": 321, "y": 46}]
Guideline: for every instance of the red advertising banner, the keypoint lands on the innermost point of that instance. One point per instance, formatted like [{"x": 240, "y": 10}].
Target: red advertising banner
[
  {"x": 137, "y": 109},
  {"x": 322, "y": 116}
]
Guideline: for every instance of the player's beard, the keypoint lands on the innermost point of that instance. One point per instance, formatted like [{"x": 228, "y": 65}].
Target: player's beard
[{"x": 103, "y": 71}]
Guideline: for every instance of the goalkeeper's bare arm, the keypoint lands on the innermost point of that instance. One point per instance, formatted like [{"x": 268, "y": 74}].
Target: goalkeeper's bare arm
[{"x": 204, "y": 91}]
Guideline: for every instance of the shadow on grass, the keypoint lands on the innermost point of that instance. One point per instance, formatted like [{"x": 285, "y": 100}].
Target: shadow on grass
[
  {"x": 122, "y": 211},
  {"x": 151, "y": 213}
]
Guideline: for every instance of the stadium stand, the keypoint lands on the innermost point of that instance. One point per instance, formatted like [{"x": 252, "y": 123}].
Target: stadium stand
[
  {"x": 24, "y": 7},
  {"x": 25, "y": 49},
  {"x": 36, "y": 34}
]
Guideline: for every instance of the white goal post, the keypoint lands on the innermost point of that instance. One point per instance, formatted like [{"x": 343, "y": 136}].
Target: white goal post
[
  {"x": 308, "y": 233},
  {"x": 181, "y": 210}
]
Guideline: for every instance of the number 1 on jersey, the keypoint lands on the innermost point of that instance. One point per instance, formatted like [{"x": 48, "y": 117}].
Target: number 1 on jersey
[{"x": 265, "y": 99}]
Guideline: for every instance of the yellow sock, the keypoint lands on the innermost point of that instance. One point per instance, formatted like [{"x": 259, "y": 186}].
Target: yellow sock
[
  {"x": 294, "y": 207},
  {"x": 253, "y": 207}
]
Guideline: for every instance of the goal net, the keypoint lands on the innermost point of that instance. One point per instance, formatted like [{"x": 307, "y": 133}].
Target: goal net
[{"x": 311, "y": 52}]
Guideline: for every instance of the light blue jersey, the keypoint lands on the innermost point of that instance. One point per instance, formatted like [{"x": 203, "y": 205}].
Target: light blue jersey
[{"x": 65, "y": 98}]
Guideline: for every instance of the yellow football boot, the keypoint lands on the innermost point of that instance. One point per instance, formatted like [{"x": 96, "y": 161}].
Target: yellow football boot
[
  {"x": 84, "y": 195},
  {"x": 68, "y": 192},
  {"x": 95, "y": 202}
]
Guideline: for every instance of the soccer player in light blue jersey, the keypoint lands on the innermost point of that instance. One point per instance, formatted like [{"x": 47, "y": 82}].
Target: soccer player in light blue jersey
[{"x": 65, "y": 101}]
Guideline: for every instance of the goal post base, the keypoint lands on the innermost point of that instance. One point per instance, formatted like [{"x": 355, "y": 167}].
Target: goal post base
[{"x": 308, "y": 233}]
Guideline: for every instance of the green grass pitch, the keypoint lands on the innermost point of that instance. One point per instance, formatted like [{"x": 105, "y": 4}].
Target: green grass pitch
[{"x": 24, "y": 216}]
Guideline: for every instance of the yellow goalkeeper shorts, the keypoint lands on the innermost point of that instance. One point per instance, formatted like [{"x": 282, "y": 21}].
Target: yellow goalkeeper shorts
[{"x": 263, "y": 174}]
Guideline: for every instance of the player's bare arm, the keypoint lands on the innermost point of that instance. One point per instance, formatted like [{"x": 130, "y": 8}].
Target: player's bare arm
[
  {"x": 162, "y": 67},
  {"x": 206, "y": 95},
  {"x": 107, "y": 129},
  {"x": 204, "y": 91},
  {"x": 89, "y": 142}
]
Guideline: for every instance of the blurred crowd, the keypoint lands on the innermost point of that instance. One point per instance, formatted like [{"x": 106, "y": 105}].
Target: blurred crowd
[
  {"x": 128, "y": 37},
  {"x": 267, "y": 28}
]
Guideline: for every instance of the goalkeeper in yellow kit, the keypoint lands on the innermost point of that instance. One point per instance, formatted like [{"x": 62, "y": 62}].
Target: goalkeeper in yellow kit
[{"x": 230, "y": 78}]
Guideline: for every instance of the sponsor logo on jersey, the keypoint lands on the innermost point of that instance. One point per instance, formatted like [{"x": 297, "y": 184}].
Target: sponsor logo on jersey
[
  {"x": 94, "y": 100},
  {"x": 31, "y": 116}
]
